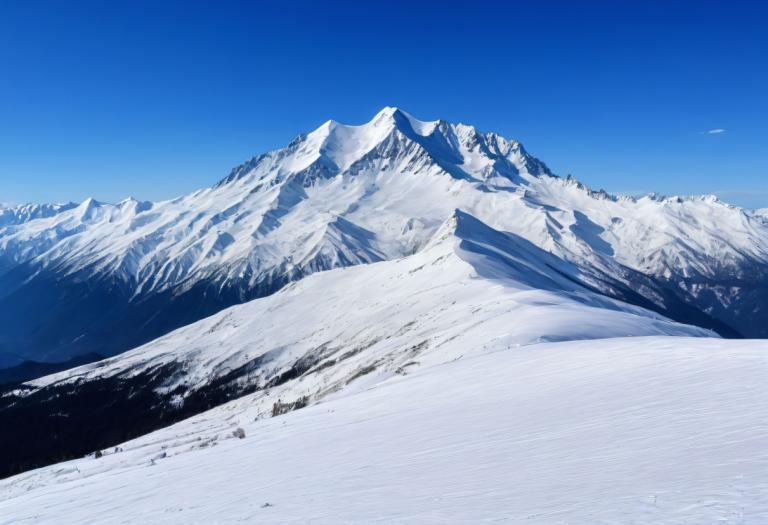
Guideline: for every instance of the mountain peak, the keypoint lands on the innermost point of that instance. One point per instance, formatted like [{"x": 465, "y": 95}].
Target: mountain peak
[
  {"x": 404, "y": 121},
  {"x": 391, "y": 112},
  {"x": 387, "y": 112},
  {"x": 397, "y": 136},
  {"x": 464, "y": 226}
]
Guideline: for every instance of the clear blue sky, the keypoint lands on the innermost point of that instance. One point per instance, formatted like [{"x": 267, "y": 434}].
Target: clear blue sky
[{"x": 110, "y": 99}]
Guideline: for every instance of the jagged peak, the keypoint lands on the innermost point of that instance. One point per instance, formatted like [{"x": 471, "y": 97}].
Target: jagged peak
[
  {"x": 496, "y": 254},
  {"x": 659, "y": 198},
  {"x": 90, "y": 202},
  {"x": 460, "y": 225},
  {"x": 135, "y": 205},
  {"x": 88, "y": 208},
  {"x": 682, "y": 199},
  {"x": 449, "y": 145},
  {"x": 21, "y": 213},
  {"x": 405, "y": 121}
]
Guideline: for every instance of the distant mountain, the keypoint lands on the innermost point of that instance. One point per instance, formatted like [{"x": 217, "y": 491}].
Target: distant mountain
[
  {"x": 104, "y": 278},
  {"x": 9, "y": 360},
  {"x": 18, "y": 214},
  {"x": 20, "y": 371}
]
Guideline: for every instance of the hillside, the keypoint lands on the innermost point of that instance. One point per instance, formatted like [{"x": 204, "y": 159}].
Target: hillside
[{"x": 652, "y": 430}]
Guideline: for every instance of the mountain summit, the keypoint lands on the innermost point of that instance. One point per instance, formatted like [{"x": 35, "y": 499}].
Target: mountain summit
[{"x": 460, "y": 150}]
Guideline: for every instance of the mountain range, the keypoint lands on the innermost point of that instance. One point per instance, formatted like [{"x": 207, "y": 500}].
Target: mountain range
[
  {"x": 103, "y": 278},
  {"x": 352, "y": 256}
]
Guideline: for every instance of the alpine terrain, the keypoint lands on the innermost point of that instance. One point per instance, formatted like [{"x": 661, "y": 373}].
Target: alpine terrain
[
  {"x": 402, "y": 321},
  {"x": 104, "y": 278}
]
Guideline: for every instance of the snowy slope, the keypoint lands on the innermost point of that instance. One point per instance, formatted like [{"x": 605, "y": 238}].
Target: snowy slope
[
  {"x": 346, "y": 195},
  {"x": 659, "y": 430},
  {"x": 470, "y": 288}
]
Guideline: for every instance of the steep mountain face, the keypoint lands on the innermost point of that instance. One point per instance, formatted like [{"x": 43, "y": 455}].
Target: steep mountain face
[
  {"x": 468, "y": 290},
  {"x": 105, "y": 278}
]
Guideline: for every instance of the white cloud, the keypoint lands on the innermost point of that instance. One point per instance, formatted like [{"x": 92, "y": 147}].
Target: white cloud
[{"x": 715, "y": 131}]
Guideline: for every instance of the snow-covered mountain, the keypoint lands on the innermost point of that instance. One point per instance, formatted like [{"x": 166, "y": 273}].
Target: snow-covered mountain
[
  {"x": 415, "y": 266},
  {"x": 104, "y": 278},
  {"x": 469, "y": 283},
  {"x": 17, "y": 214},
  {"x": 468, "y": 290}
]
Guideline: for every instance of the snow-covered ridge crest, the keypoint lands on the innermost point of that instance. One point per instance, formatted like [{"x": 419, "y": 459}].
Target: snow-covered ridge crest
[{"x": 478, "y": 278}]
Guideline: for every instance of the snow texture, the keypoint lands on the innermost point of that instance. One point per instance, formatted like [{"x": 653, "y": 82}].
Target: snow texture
[{"x": 654, "y": 430}]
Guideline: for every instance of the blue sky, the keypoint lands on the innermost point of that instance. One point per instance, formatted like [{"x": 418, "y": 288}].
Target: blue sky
[{"x": 154, "y": 99}]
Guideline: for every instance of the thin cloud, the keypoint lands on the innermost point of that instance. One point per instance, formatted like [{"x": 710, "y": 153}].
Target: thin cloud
[{"x": 716, "y": 131}]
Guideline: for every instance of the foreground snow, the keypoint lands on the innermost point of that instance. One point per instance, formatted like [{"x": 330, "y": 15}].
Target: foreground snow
[{"x": 629, "y": 430}]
